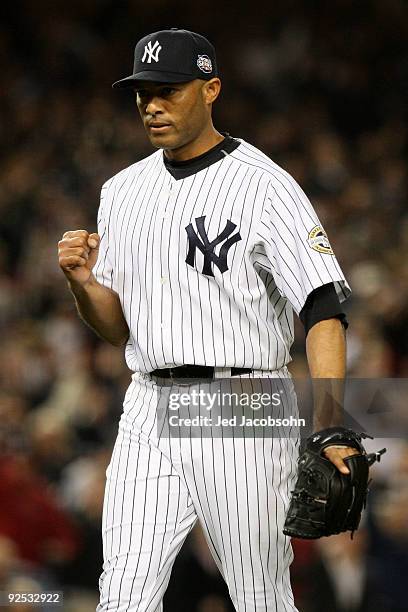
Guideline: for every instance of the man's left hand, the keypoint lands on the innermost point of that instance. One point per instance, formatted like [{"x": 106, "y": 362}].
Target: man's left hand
[{"x": 336, "y": 454}]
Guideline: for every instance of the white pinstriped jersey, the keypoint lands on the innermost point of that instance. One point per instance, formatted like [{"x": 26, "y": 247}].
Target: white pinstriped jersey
[{"x": 210, "y": 267}]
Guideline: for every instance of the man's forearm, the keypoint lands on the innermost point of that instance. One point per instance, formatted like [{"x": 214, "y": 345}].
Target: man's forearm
[
  {"x": 100, "y": 308},
  {"x": 326, "y": 355}
]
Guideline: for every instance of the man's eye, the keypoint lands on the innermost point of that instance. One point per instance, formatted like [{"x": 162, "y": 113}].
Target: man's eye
[{"x": 167, "y": 91}]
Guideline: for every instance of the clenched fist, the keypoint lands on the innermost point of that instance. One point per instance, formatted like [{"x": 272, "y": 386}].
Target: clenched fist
[{"x": 77, "y": 253}]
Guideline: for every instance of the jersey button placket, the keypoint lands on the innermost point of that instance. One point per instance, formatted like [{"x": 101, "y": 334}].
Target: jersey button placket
[{"x": 168, "y": 194}]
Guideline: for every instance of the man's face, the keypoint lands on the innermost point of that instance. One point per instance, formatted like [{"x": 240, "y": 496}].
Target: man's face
[{"x": 173, "y": 114}]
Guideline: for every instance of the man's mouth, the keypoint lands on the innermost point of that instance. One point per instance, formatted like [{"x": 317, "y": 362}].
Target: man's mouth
[{"x": 158, "y": 127}]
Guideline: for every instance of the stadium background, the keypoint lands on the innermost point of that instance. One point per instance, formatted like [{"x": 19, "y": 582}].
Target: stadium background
[{"x": 319, "y": 86}]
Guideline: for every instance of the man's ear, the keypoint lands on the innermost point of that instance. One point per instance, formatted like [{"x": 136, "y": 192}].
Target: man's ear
[{"x": 211, "y": 90}]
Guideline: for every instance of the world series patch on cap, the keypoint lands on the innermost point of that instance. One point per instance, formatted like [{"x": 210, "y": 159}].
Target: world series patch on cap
[{"x": 171, "y": 56}]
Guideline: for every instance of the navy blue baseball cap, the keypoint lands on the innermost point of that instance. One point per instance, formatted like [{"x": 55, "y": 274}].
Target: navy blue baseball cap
[{"x": 171, "y": 56}]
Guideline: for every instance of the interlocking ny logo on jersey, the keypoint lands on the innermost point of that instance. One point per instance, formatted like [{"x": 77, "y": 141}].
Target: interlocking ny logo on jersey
[
  {"x": 202, "y": 243},
  {"x": 151, "y": 52}
]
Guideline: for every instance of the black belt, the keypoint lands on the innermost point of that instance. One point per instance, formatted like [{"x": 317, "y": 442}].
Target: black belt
[{"x": 194, "y": 371}]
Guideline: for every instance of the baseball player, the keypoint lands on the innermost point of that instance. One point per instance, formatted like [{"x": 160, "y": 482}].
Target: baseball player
[{"x": 204, "y": 250}]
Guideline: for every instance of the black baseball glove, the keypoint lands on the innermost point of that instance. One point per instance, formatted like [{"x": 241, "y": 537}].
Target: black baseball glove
[{"x": 325, "y": 501}]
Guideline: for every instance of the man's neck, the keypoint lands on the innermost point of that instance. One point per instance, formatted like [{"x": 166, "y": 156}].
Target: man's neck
[{"x": 200, "y": 145}]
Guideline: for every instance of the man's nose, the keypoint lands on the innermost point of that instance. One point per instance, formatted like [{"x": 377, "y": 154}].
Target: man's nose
[{"x": 153, "y": 106}]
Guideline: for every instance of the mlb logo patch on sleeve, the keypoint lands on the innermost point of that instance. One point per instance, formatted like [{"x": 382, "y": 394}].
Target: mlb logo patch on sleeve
[{"x": 318, "y": 241}]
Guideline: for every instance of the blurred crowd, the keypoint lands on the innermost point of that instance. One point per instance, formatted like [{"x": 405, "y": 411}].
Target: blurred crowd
[{"x": 320, "y": 87}]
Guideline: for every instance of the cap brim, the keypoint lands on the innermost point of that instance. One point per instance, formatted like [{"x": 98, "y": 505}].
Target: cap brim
[{"x": 153, "y": 75}]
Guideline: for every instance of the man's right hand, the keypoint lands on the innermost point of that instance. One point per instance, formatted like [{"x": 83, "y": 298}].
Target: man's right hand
[
  {"x": 97, "y": 305},
  {"x": 77, "y": 254}
]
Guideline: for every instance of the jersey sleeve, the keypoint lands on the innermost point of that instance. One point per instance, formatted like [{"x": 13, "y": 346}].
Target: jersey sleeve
[
  {"x": 297, "y": 250},
  {"x": 104, "y": 270}
]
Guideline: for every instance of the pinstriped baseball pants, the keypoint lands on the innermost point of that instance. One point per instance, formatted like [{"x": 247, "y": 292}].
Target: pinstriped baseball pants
[{"x": 159, "y": 486}]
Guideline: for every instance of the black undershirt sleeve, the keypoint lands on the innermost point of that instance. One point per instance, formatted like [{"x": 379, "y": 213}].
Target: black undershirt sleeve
[{"x": 322, "y": 303}]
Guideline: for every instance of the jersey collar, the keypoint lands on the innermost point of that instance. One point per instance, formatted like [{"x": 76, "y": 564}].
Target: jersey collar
[{"x": 183, "y": 169}]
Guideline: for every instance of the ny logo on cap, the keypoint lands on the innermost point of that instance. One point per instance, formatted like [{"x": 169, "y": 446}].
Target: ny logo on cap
[{"x": 151, "y": 52}]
